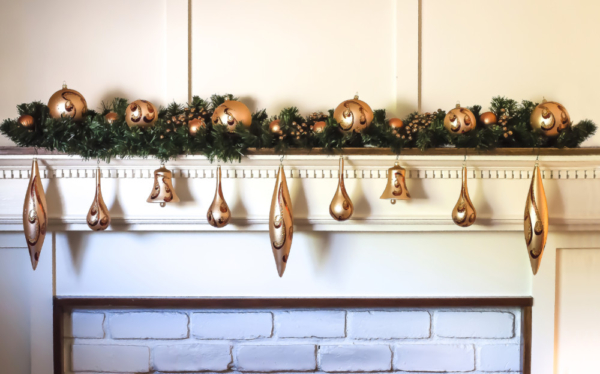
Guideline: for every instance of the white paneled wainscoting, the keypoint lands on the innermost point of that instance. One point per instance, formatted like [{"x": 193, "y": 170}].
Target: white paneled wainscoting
[{"x": 436, "y": 339}]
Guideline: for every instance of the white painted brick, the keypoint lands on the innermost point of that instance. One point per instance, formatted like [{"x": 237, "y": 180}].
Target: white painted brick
[
  {"x": 87, "y": 325},
  {"x": 149, "y": 325},
  {"x": 197, "y": 357},
  {"x": 232, "y": 325},
  {"x": 110, "y": 358},
  {"x": 268, "y": 358},
  {"x": 307, "y": 324},
  {"x": 388, "y": 325},
  {"x": 500, "y": 358},
  {"x": 474, "y": 325},
  {"x": 434, "y": 357},
  {"x": 349, "y": 358}
]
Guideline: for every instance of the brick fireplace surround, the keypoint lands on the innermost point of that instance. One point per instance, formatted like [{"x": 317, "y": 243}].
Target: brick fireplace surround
[{"x": 485, "y": 335}]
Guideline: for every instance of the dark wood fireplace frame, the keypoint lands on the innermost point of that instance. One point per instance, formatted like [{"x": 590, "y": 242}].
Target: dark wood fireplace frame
[{"x": 62, "y": 304}]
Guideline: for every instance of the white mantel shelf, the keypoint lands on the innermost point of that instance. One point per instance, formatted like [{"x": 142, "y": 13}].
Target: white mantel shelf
[{"x": 498, "y": 184}]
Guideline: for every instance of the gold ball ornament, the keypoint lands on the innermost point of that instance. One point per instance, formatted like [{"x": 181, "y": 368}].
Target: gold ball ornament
[
  {"x": 275, "y": 126},
  {"x": 460, "y": 120},
  {"x": 550, "y": 118},
  {"x": 488, "y": 118},
  {"x": 396, "y": 123},
  {"x": 353, "y": 115},
  {"x": 230, "y": 113},
  {"x": 26, "y": 121},
  {"x": 141, "y": 113},
  {"x": 195, "y": 125},
  {"x": 111, "y": 117},
  {"x": 67, "y": 103},
  {"x": 319, "y": 127}
]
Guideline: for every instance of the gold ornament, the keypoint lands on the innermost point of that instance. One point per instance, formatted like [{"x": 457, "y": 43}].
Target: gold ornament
[
  {"x": 341, "y": 207},
  {"x": 111, "y": 117},
  {"x": 67, "y": 103},
  {"x": 353, "y": 115},
  {"x": 163, "y": 191},
  {"x": 275, "y": 126},
  {"x": 464, "y": 213},
  {"x": 460, "y": 120},
  {"x": 141, "y": 113},
  {"x": 195, "y": 125},
  {"x": 396, "y": 123},
  {"x": 230, "y": 113},
  {"x": 218, "y": 214},
  {"x": 318, "y": 127},
  {"x": 98, "y": 217},
  {"x": 550, "y": 117},
  {"x": 396, "y": 185},
  {"x": 35, "y": 215},
  {"x": 488, "y": 118},
  {"x": 536, "y": 220},
  {"x": 281, "y": 222},
  {"x": 26, "y": 121}
]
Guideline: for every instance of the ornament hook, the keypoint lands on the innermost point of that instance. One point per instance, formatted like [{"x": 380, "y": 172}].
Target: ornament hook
[{"x": 281, "y": 159}]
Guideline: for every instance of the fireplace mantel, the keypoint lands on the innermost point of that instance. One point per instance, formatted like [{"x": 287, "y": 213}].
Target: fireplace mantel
[{"x": 498, "y": 185}]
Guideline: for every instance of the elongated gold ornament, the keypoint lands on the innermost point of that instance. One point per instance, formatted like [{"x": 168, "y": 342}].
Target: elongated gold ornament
[
  {"x": 341, "y": 207},
  {"x": 536, "y": 220},
  {"x": 35, "y": 215},
  {"x": 464, "y": 213},
  {"x": 98, "y": 217},
  {"x": 396, "y": 185},
  {"x": 162, "y": 191},
  {"x": 218, "y": 214},
  {"x": 281, "y": 222}
]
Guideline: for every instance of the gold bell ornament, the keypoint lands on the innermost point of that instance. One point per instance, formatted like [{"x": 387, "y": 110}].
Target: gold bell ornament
[
  {"x": 218, "y": 214},
  {"x": 98, "y": 217},
  {"x": 464, "y": 213},
  {"x": 341, "y": 207},
  {"x": 281, "y": 222},
  {"x": 163, "y": 191},
  {"x": 396, "y": 185},
  {"x": 536, "y": 220},
  {"x": 35, "y": 215}
]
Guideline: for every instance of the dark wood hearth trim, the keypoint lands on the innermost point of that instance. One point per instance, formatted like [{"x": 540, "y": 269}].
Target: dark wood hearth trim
[{"x": 65, "y": 303}]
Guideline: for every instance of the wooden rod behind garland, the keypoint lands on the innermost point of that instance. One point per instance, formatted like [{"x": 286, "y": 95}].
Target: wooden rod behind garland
[{"x": 18, "y": 151}]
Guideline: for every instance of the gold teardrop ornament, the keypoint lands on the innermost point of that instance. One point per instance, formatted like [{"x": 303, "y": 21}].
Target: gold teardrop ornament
[
  {"x": 536, "y": 220},
  {"x": 341, "y": 207},
  {"x": 35, "y": 215},
  {"x": 162, "y": 190},
  {"x": 281, "y": 222},
  {"x": 218, "y": 214},
  {"x": 396, "y": 185},
  {"x": 98, "y": 217},
  {"x": 464, "y": 214}
]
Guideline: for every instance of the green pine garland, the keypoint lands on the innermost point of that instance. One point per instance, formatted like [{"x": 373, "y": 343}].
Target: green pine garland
[{"x": 95, "y": 138}]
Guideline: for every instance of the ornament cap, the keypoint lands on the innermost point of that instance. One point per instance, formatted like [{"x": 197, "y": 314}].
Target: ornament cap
[
  {"x": 458, "y": 104},
  {"x": 356, "y": 96},
  {"x": 64, "y": 86}
]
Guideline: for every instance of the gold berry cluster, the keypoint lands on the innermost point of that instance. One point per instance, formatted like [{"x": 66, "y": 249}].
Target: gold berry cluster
[
  {"x": 298, "y": 130},
  {"x": 416, "y": 124},
  {"x": 317, "y": 116},
  {"x": 503, "y": 121}
]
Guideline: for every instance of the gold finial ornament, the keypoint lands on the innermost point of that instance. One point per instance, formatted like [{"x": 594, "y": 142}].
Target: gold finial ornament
[
  {"x": 35, "y": 215},
  {"x": 353, "y": 115},
  {"x": 141, "y": 113},
  {"x": 281, "y": 222},
  {"x": 550, "y": 118},
  {"x": 98, "y": 218},
  {"x": 67, "y": 103},
  {"x": 230, "y": 113},
  {"x": 464, "y": 213},
  {"x": 536, "y": 220},
  {"x": 396, "y": 185},
  {"x": 218, "y": 214},
  {"x": 341, "y": 207},
  {"x": 163, "y": 191},
  {"x": 460, "y": 120}
]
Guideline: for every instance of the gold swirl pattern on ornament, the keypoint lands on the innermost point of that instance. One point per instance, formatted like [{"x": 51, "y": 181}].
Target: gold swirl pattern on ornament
[
  {"x": 279, "y": 222},
  {"x": 397, "y": 184}
]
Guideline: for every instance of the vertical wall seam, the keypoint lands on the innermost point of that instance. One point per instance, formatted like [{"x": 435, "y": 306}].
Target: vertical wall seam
[
  {"x": 189, "y": 51},
  {"x": 420, "y": 44}
]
